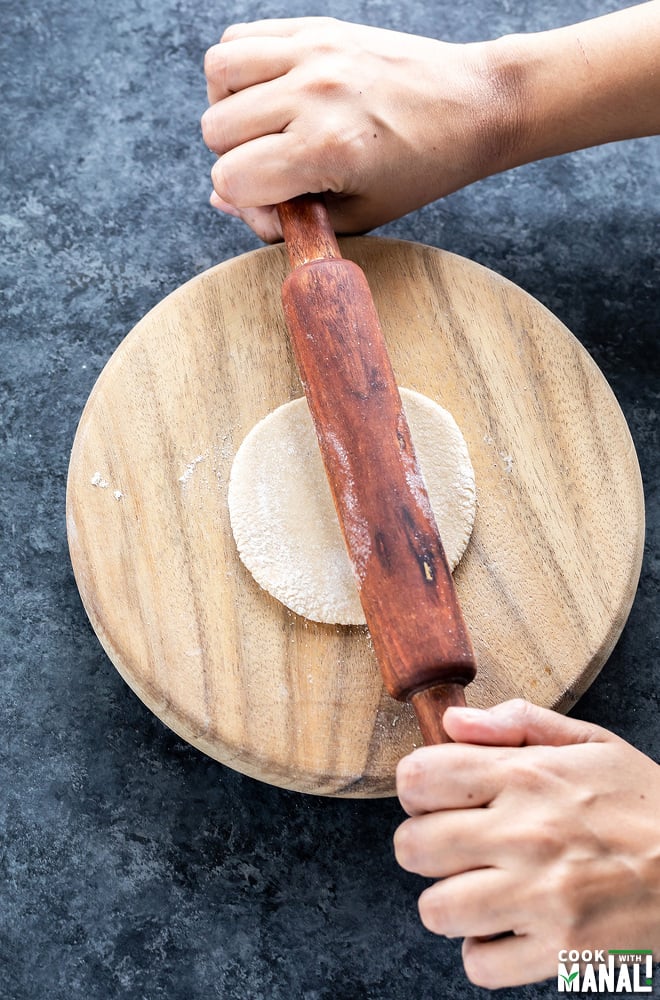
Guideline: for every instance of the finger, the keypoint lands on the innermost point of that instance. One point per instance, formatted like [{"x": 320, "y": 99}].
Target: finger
[
  {"x": 263, "y": 221},
  {"x": 449, "y": 776},
  {"x": 283, "y": 27},
  {"x": 224, "y": 206},
  {"x": 263, "y": 110},
  {"x": 508, "y": 961},
  {"x": 438, "y": 845},
  {"x": 234, "y": 66},
  {"x": 475, "y": 904},
  {"x": 519, "y": 723},
  {"x": 260, "y": 174}
]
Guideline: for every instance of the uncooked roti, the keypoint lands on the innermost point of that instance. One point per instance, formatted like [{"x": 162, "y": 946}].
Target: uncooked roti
[{"x": 284, "y": 520}]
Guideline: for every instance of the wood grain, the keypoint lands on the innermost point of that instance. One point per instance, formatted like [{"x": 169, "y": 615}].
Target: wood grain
[{"x": 546, "y": 583}]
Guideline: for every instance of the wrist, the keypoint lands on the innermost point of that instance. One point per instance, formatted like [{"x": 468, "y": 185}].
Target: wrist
[
  {"x": 547, "y": 95},
  {"x": 519, "y": 108},
  {"x": 556, "y": 91}
]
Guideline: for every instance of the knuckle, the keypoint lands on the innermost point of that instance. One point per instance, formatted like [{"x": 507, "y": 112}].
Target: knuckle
[
  {"x": 329, "y": 82},
  {"x": 206, "y": 127},
  {"x": 326, "y": 21},
  {"x": 221, "y": 181},
  {"x": 211, "y": 129},
  {"x": 545, "y": 846},
  {"x": 217, "y": 69},
  {"x": 230, "y": 32},
  {"x": 411, "y": 778},
  {"x": 436, "y": 911},
  {"x": 479, "y": 970},
  {"x": 526, "y": 772},
  {"x": 319, "y": 32},
  {"x": 519, "y": 706},
  {"x": 406, "y": 845},
  {"x": 541, "y": 841},
  {"x": 210, "y": 60}
]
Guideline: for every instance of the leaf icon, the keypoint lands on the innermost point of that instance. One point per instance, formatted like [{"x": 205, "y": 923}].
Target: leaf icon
[{"x": 569, "y": 979}]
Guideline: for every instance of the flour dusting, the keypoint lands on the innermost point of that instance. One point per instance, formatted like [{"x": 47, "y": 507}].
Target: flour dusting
[{"x": 190, "y": 469}]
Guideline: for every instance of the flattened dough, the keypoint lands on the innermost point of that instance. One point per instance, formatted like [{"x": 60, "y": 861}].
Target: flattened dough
[{"x": 284, "y": 520}]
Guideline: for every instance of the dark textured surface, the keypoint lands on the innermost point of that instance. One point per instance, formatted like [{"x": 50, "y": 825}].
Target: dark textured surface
[{"x": 130, "y": 865}]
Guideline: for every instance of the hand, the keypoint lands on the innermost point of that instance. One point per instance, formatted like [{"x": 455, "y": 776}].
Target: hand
[
  {"x": 537, "y": 824},
  {"x": 384, "y": 121}
]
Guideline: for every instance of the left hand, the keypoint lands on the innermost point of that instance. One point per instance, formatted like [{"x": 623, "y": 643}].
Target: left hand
[{"x": 539, "y": 825}]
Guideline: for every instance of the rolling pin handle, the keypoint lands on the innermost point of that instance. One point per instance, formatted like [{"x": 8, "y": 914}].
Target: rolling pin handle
[
  {"x": 430, "y": 704},
  {"x": 307, "y": 231}
]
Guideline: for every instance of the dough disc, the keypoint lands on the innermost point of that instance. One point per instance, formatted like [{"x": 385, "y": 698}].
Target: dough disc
[{"x": 284, "y": 521}]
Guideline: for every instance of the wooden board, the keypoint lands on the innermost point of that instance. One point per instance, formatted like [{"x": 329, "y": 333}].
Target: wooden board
[{"x": 547, "y": 580}]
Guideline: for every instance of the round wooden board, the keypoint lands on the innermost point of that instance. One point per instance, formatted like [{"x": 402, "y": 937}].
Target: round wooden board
[{"x": 547, "y": 580}]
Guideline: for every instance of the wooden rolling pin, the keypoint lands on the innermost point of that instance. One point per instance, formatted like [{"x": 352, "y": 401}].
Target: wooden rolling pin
[{"x": 405, "y": 585}]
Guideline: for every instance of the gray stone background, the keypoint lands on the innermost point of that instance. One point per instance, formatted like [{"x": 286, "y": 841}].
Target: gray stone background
[{"x": 131, "y": 865}]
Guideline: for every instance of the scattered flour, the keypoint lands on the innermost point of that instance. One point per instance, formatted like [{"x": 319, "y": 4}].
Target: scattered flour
[
  {"x": 190, "y": 468},
  {"x": 102, "y": 484},
  {"x": 98, "y": 480}
]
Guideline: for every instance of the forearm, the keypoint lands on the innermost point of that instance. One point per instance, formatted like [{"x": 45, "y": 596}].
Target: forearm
[{"x": 583, "y": 85}]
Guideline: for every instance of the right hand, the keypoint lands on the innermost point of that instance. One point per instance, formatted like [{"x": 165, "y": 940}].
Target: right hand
[
  {"x": 382, "y": 121},
  {"x": 535, "y": 824}
]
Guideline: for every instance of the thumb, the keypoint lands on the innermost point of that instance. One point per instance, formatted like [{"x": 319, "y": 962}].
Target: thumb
[{"x": 519, "y": 723}]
